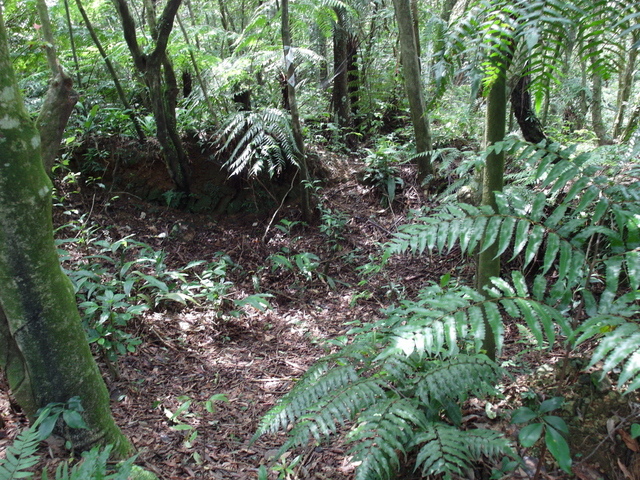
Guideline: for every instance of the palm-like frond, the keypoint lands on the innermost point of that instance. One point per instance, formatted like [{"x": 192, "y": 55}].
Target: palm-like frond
[{"x": 258, "y": 141}]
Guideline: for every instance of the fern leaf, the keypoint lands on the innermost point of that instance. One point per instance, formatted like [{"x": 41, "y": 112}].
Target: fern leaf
[
  {"x": 20, "y": 455},
  {"x": 383, "y": 433},
  {"x": 456, "y": 378},
  {"x": 448, "y": 451}
]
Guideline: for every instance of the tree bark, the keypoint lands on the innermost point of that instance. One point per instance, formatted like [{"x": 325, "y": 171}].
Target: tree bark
[
  {"x": 43, "y": 347},
  {"x": 525, "y": 115},
  {"x": 413, "y": 87},
  {"x": 304, "y": 193},
  {"x": 60, "y": 100},
  {"x": 160, "y": 80},
  {"x": 340, "y": 95}
]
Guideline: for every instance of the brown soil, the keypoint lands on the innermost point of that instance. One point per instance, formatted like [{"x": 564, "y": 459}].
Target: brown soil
[{"x": 192, "y": 353}]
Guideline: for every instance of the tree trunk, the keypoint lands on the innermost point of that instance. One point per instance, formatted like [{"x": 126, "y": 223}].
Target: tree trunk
[
  {"x": 60, "y": 99},
  {"x": 160, "y": 80},
  {"x": 597, "y": 122},
  {"x": 196, "y": 68},
  {"x": 44, "y": 349},
  {"x": 626, "y": 85},
  {"x": 340, "y": 96},
  {"x": 413, "y": 86},
  {"x": 525, "y": 115},
  {"x": 304, "y": 192},
  {"x": 72, "y": 41},
  {"x": 492, "y": 181},
  {"x": 112, "y": 71}
]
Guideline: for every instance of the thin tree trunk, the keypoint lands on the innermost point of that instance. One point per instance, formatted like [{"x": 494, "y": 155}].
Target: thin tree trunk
[
  {"x": 492, "y": 181},
  {"x": 626, "y": 85},
  {"x": 597, "y": 121},
  {"x": 203, "y": 85},
  {"x": 413, "y": 87},
  {"x": 112, "y": 72},
  {"x": 340, "y": 96},
  {"x": 529, "y": 124},
  {"x": 73, "y": 43},
  {"x": 304, "y": 193},
  {"x": 43, "y": 347},
  {"x": 60, "y": 100}
]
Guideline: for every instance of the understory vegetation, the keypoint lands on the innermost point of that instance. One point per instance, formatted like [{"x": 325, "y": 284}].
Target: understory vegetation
[{"x": 209, "y": 208}]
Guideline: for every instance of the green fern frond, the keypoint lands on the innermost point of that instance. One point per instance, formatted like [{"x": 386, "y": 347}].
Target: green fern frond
[
  {"x": 382, "y": 436},
  {"x": 21, "y": 455},
  {"x": 322, "y": 419},
  {"x": 619, "y": 345},
  {"x": 258, "y": 141},
  {"x": 456, "y": 379},
  {"x": 448, "y": 451},
  {"x": 314, "y": 385}
]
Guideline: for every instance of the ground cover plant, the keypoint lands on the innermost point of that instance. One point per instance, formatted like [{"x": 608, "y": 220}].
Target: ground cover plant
[
  {"x": 291, "y": 269},
  {"x": 203, "y": 376}
]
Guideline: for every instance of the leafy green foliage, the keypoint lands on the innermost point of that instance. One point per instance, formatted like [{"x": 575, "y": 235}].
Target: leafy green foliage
[
  {"x": 21, "y": 455},
  {"x": 578, "y": 239},
  {"x": 571, "y": 235},
  {"x": 536, "y": 36},
  {"x": 381, "y": 171},
  {"x": 396, "y": 402},
  {"x": 258, "y": 141},
  {"x": 117, "y": 282},
  {"x": 554, "y": 428}
]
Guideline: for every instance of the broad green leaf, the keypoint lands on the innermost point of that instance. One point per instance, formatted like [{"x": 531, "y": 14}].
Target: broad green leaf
[
  {"x": 559, "y": 448},
  {"x": 530, "y": 434},
  {"x": 551, "y": 404},
  {"x": 523, "y": 415},
  {"x": 557, "y": 423},
  {"x": 73, "y": 419}
]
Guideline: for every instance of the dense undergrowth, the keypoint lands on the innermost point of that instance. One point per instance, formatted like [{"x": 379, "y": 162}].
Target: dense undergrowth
[{"x": 395, "y": 389}]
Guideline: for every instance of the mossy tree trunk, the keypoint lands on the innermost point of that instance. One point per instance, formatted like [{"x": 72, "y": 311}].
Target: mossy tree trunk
[
  {"x": 413, "y": 86},
  {"x": 43, "y": 347}
]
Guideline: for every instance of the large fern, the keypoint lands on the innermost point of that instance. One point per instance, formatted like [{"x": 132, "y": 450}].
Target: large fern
[
  {"x": 392, "y": 398},
  {"x": 580, "y": 238},
  {"x": 258, "y": 141}
]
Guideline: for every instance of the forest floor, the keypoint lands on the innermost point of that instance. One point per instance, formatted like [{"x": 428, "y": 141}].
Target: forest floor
[{"x": 189, "y": 353}]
